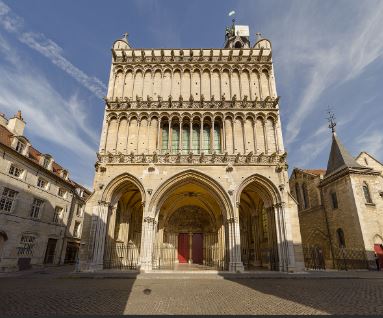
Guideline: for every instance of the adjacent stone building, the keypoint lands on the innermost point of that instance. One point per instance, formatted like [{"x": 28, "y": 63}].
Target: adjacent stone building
[
  {"x": 341, "y": 210},
  {"x": 40, "y": 207},
  {"x": 191, "y": 166}
]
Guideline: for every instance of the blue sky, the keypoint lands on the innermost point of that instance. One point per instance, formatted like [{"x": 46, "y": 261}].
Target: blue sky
[{"x": 55, "y": 62}]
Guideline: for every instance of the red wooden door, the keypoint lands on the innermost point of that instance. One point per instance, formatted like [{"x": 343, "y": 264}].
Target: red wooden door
[
  {"x": 183, "y": 247},
  {"x": 379, "y": 251},
  {"x": 197, "y": 247}
]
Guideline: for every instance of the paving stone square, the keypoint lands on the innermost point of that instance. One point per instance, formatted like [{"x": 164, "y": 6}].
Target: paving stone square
[{"x": 43, "y": 293}]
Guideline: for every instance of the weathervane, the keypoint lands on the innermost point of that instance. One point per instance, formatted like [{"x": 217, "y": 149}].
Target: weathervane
[{"x": 331, "y": 119}]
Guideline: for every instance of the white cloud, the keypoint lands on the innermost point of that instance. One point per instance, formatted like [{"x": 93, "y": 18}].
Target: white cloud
[
  {"x": 372, "y": 142},
  {"x": 48, "y": 48},
  {"x": 49, "y": 115},
  {"x": 333, "y": 60}
]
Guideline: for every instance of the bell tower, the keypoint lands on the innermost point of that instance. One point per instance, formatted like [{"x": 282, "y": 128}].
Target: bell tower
[{"x": 237, "y": 36}]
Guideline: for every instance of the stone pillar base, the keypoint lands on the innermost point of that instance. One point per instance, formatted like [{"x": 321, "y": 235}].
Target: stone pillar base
[
  {"x": 236, "y": 267},
  {"x": 145, "y": 267}
]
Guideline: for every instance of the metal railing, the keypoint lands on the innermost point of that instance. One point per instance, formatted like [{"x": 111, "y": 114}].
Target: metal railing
[
  {"x": 314, "y": 257},
  {"x": 121, "y": 256},
  {"x": 350, "y": 258},
  {"x": 164, "y": 256}
]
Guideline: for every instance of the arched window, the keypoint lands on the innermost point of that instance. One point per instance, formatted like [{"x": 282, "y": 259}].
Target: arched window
[
  {"x": 366, "y": 192},
  {"x": 185, "y": 138},
  {"x": 305, "y": 196},
  {"x": 175, "y": 138},
  {"x": 196, "y": 138},
  {"x": 217, "y": 137},
  {"x": 340, "y": 236},
  {"x": 206, "y": 138},
  {"x": 165, "y": 137},
  {"x": 298, "y": 196}
]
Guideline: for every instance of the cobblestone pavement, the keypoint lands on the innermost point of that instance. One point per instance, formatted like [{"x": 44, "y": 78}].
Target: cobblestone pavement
[{"x": 40, "y": 294}]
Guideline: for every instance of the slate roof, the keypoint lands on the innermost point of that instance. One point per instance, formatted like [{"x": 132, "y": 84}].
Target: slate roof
[{"x": 340, "y": 158}]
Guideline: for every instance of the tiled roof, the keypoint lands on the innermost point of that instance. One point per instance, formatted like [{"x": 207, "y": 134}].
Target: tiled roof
[
  {"x": 317, "y": 172},
  {"x": 33, "y": 155}
]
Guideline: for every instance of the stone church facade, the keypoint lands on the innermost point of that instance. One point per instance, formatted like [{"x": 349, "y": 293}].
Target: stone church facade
[
  {"x": 191, "y": 165},
  {"x": 341, "y": 210}
]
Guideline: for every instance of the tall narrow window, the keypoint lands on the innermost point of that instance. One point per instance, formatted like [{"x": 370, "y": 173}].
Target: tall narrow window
[
  {"x": 185, "y": 138},
  {"x": 196, "y": 138},
  {"x": 334, "y": 200},
  {"x": 206, "y": 138},
  {"x": 36, "y": 208},
  {"x": 7, "y": 200},
  {"x": 305, "y": 196},
  {"x": 165, "y": 137},
  {"x": 57, "y": 215},
  {"x": 341, "y": 240},
  {"x": 175, "y": 138},
  {"x": 217, "y": 137},
  {"x": 367, "y": 194}
]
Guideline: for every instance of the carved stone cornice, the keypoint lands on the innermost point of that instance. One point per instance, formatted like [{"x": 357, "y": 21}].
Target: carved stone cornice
[
  {"x": 133, "y": 59},
  {"x": 125, "y": 104},
  {"x": 196, "y": 159}
]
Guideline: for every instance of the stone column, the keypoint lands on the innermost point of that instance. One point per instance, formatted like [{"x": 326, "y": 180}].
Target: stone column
[
  {"x": 158, "y": 146},
  {"x": 191, "y": 135},
  {"x": 170, "y": 136},
  {"x": 283, "y": 245},
  {"x": 235, "y": 244},
  {"x": 212, "y": 149},
  {"x": 148, "y": 229},
  {"x": 99, "y": 231},
  {"x": 180, "y": 136}
]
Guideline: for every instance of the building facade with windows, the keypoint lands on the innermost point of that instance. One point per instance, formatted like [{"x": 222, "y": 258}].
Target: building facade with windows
[
  {"x": 37, "y": 202},
  {"x": 191, "y": 166},
  {"x": 341, "y": 210}
]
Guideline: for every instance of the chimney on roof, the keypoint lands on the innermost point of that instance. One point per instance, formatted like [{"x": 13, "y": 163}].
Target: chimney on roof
[
  {"x": 3, "y": 120},
  {"x": 16, "y": 124}
]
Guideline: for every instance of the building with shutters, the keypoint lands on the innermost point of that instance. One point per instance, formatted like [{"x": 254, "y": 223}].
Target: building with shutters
[
  {"x": 191, "y": 167},
  {"x": 341, "y": 210},
  {"x": 41, "y": 209}
]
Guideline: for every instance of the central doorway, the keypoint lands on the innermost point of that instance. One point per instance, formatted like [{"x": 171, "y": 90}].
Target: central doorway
[
  {"x": 183, "y": 248},
  {"x": 190, "y": 248},
  {"x": 197, "y": 248}
]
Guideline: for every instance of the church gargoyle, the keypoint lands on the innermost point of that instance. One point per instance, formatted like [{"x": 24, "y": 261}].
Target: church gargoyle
[
  {"x": 166, "y": 158},
  {"x": 143, "y": 157},
  {"x": 170, "y": 101},
  {"x": 225, "y": 157},
  {"x": 190, "y": 157},
  {"x": 236, "y": 159},
  {"x": 120, "y": 157},
  {"x": 260, "y": 157},
  {"x": 155, "y": 157},
  {"x": 178, "y": 158},
  {"x": 213, "y": 157},
  {"x": 202, "y": 157},
  {"x": 131, "y": 156},
  {"x": 249, "y": 156}
]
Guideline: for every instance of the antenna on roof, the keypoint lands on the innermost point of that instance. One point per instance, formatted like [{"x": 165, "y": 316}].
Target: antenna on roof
[{"x": 331, "y": 119}]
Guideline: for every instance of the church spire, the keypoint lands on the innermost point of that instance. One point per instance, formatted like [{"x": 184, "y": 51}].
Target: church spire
[{"x": 339, "y": 157}]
